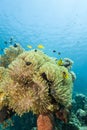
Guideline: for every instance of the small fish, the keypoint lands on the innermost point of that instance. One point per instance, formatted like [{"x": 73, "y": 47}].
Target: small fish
[
  {"x": 65, "y": 75},
  {"x": 54, "y": 51},
  {"x": 29, "y": 46},
  {"x": 40, "y": 46},
  {"x": 60, "y": 62},
  {"x": 35, "y": 50},
  {"x": 1, "y": 49},
  {"x": 28, "y": 63},
  {"x": 15, "y": 45},
  {"x": 5, "y": 42},
  {"x": 11, "y": 40},
  {"x": 59, "y": 53}
]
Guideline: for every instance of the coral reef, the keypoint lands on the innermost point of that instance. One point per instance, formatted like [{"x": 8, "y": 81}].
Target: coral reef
[
  {"x": 32, "y": 81},
  {"x": 78, "y": 116},
  {"x": 73, "y": 124}
]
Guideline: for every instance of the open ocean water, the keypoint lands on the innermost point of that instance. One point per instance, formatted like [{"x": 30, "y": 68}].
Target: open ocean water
[{"x": 59, "y": 25}]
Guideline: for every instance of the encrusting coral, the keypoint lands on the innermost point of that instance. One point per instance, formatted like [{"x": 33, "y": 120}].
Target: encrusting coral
[{"x": 36, "y": 83}]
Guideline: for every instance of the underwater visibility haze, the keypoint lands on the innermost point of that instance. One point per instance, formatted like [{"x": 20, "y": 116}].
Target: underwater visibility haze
[{"x": 43, "y": 43}]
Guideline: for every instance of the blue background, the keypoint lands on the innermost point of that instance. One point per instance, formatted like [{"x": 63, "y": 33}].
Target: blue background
[{"x": 59, "y": 25}]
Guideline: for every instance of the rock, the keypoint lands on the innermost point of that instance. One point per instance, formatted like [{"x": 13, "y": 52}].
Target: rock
[
  {"x": 70, "y": 126},
  {"x": 80, "y": 113},
  {"x": 81, "y": 101},
  {"x": 34, "y": 128},
  {"x": 82, "y": 116},
  {"x": 85, "y": 107},
  {"x": 83, "y": 128},
  {"x": 74, "y": 106},
  {"x": 74, "y": 120}
]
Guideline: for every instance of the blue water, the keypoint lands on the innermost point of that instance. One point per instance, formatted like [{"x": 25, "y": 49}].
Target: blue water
[{"x": 59, "y": 25}]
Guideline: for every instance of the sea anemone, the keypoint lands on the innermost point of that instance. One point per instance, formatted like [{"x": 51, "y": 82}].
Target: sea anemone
[
  {"x": 34, "y": 82},
  {"x": 3, "y": 77},
  {"x": 59, "y": 88},
  {"x": 10, "y": 54}
]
